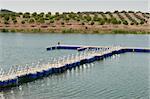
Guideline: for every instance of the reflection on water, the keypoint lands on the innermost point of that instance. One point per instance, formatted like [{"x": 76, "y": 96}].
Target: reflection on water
[{"x": 124, "y": 76}]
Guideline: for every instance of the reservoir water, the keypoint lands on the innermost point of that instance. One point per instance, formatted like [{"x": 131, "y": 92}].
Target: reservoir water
[{"x": 125, "y": 76}]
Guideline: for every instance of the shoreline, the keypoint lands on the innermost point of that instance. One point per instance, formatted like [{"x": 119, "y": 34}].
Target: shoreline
[{"x": 74, "y": 31}]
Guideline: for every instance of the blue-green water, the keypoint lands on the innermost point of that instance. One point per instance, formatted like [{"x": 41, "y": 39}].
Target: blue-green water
[{"x": 124, "y": 76}]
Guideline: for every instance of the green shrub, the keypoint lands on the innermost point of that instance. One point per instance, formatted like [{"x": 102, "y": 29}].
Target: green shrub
[
  {"x": 13, "y": 30},
  {"x": 4, "y": 30},
  {"x": 14, "y": 21},
  {"x": 31, "y": 20},
  {"x": 131, "y": 23},
  {"x": 92, "y": 23},
  {"x": 142, "y": 22},
  {"x": 51, "y": 21},
  {"x": 83, "y": 23},
  {"x": 125, "y": 22},
  {"x": 101, "y": 22},
  {"x": 6, "y": 22},
  {"x": 68, "y": 31},
  {"x": 22, "y": 22},
  {"x": 62, "y": 23},
  {"x": 95, "y": 31}
]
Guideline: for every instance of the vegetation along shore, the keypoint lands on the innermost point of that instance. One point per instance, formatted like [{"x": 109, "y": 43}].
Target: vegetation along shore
[{"x": 81, "y": 22}]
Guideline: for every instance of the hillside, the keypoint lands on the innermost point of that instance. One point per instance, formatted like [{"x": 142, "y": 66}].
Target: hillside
[
  {"x": 5, "y": 11},
  {"x": 81, "y": 22}
]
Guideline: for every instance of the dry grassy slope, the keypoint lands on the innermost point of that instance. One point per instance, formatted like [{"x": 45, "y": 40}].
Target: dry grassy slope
[
  {"x": 77, "y": 25},
  {"x": 19, "y": 19},
  {"x": 134, "y": 17},
  {"x": 116, "y": 16}
]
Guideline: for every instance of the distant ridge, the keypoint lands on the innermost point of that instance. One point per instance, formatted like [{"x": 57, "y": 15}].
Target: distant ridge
[{"x": 3, "y": 11}]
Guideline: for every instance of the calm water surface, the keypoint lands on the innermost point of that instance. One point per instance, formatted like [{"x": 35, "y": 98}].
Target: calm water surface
[{"x": 124, "y": 76}]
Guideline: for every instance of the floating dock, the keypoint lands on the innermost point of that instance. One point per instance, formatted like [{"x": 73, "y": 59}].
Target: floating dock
[
  {"x": 82, "y": 48},
  {"x": 87, "y": 54}
]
